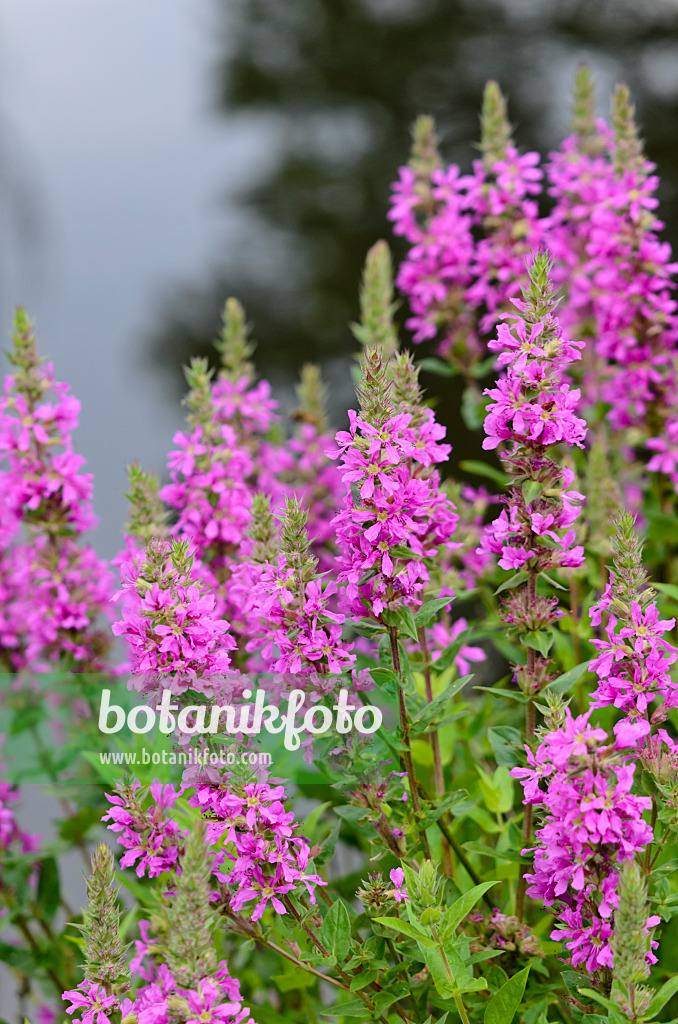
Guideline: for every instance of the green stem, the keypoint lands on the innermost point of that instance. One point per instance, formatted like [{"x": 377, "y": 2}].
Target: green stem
[
  {"x": 530, "y": 722},
  {"x": 450, "y": 976},
  {"x": 462, "y": 1009},
  {"x": 405, "y": 734},
  {"x": 653, "y": 821},
  {"x": 434, "y": 740}
]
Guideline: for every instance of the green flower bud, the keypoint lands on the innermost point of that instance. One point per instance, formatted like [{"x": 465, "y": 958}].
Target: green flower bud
[
  {"x": 628, "y": 148},
  {"x": 312, "y": 395},
  {"x": 376, "y": 328},
  {"x": 188, "y": 918},
  {"x": 233, "y": 344},
  {"x": 105, "y": 961},
  {"x": 263, "y": 529},
  {"x": 374, "y": 391},
  {"x": 295, "y": 544},
  {"x": 147, "y": 516},
  {"x": 495, "y": 130},
  {"x": 631, "y": 941}
]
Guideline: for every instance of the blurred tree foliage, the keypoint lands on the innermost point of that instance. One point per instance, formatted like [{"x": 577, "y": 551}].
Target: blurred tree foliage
[{"x": 339, "y": 83}]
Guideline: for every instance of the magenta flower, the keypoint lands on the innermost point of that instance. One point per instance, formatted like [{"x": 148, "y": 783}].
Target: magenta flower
[
  {"x": 92, "y": 1002},
  {"x": 205, "y": 1005},
  {"x": 397, "y": 876},
  {"x": 170, "y": 624},
  {"x": 591, "y": 823},
  {"x": 395, "y": 516}
]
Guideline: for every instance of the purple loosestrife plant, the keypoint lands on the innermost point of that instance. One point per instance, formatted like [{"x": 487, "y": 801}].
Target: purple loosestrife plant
[
  {"x": 56, "y": 588},
  {"x": 486, "y": 833},
  {"x": 533, "y": 411},
  {"x": 591, "y": 824}
]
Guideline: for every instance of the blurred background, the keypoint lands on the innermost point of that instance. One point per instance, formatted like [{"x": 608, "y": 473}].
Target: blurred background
[{"x": 157, "y": 156}]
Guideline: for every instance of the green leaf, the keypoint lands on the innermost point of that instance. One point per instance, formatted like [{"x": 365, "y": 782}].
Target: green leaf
[
  {"x": 335, "y": 931},
  {"x": 567, "y": 680},
  {"x": 597, "y": 997},
  {"x": 354, "y": 1008},
  {"x": 497, "y": 789},
  {"x": 455, "y": 914},
  {"x": 475, "y": 846},
  {"x": 513, "y": 581},
  {"x": 495, "y": 691},
  {"x": 666, "y": 992},
  {"x": 311, "y": 822},
  {"x": 406, "y": 928},
  {"x": 554, "y": 583},
  {"x": 483, "y": 469},
  {"x": 531, "y": 490},
  {"x": 403, "y": 619},
  {"x": 382, "y": 1000},
  {"x": 670, "y": 589},
  {"x": 49, "y": 889},
  {"x": 505, "y": 741},
  {"x": 385, "y": 678},
  {"x": 363, "y": 979},
  {"x": 503, "y": 1004},
  {"x": 436, "y": 366},
  {"x": 293, "y": 979},
  {"x": 430, "y": 609},
  {"x": 439, "y": 703},
  {"x": 485, "y": 954},
  {"x": 539, "y": 641}
]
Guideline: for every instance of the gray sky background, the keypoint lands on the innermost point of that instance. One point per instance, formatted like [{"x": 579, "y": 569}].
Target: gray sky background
[{"x": 113, "y": 175}]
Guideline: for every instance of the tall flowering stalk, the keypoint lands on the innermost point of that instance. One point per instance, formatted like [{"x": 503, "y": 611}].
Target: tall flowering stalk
[
  {"x": 532, "y": 412},
  {"x": 301, "y": 632},
  {"x": 456, "y": 283},
  {"x": 171, "y": 626},
  {"x": 591, "y": 824},
  {"x": 618, "y": 270},
  {"x": 56, "y": 587},
  {"x": 232, "y": 450},
  {"x": 175, "y": 975},
  {"x": 396, "y": 517},
  {"x": 634, "y": 658}
]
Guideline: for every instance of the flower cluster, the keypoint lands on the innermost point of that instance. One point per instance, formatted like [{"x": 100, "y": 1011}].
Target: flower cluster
[
  {"x": 376, "y": 894},
  {"x": 214, "y": 1000},
  {"x": 54, "y": 587},
  {"x": 151, "y": 837},
  {"x": 455, "y": 282},
  {"x": 532, "y": 411},
  {"x": 633, "y": 659},
  {"x": 504, "y": 932},
  {"x": 169, "y": 622},
  {"x": 470, "y": 237},
  {"x": 592, "y": 823},
  {"x": 605, "y": 233},
  {"x": 268, "y": 858},
  {"x": 301, "y": 634},
  {"x": 395, "y": 515},
  {"x": 229, "y": 454}
]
